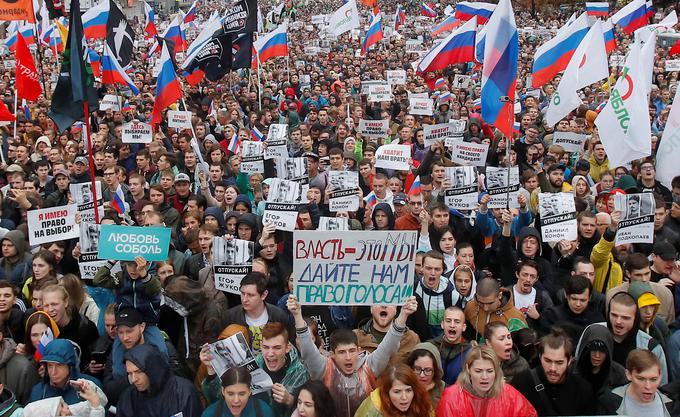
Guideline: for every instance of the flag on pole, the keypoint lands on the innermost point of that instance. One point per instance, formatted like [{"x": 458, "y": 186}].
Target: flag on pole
[
  {"x": 118, "y": 200},
  {"x": 168, "y": 88},
  {"x": 427, "y": 9},
  {"x": 190, "y": 15},
  {"x": 113, "y": 73},
  {"x": 27, "y": 110},
  {"x": 47, "y": 337},
  {"x": 399, "y": 18},
  {"x": 668, "y": 154},
  {"x": 119, "y": 35},
  {"x": 273, "y": 44},
  {"x": 256, "y": 135},
  {"x": 609, "y": 35},
  {"x": 597, "y": 8},
  {"x": 415, "y": 187},
  {"x": 94, "y": 20},
  {"x": 373, "y": 35},
  {"x": 17, "y": 10},
  {"x": 466, "y": 10},
  {"x": 458, "y": 47},
  {"x": 344, "y": 19},
  {"x": 27, "y": 80},
  {"x": 632, "y": 16},
  {"x": 446, "y": 25},
  {"x": 5, "y": 114},
  {"x": 150, "y": 25},
  {"x": 499, "y": 73}
]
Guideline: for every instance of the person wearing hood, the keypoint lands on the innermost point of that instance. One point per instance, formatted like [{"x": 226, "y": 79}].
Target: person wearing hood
[
  {"x": 491, "y": 303},
  {"x": 382, "y": 217},
  {"x": 154, "y": 390},
  {"x": 529, "y": 246},
  {"x": 623, "y": 323},
  {"x": 372, "y": 331},
  {"x": 93, "y": 406},
  {"x": 215, "y": 216},
  {"x": 526, "y": 297},
  {"x": 247, "y": 227},
  {"x": 594, "y": 361},
  {"x": 62, "y": 366},
  {"x": 581, "y": 189},
  {"x": 648, "y": 305},
  {"x": 15, "y": 257},
  {"x": 16, "y": 372},
  {"x": 427, "y": 364}
]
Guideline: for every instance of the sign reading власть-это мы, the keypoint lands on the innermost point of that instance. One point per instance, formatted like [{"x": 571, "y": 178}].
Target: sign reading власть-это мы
[
  {"x": 354, "y": 268},
  {"x": 125, "y": 243}
]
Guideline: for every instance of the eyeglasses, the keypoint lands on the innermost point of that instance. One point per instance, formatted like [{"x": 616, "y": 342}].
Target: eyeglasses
[{"x": 425, "y": 371}]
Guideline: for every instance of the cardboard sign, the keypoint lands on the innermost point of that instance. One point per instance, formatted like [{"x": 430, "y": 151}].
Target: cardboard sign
[
  {"x": 373, "y": 128},
  {"x": 396, "y": 77},
  {"x": 179, "y": 119},
  {"x": 52, "y": 224},
  {"x": 420, "y": 106},
  {"x": 467, "y": 153},
  {"x": 463, "y": 191},
  {"x": 393, "y": 157},
  {"x": 340, "y": 268},
  {"x": 378, "y": 93},
  {"x": 502, "y": 184},
  {"x": 125, "y": 243},
  {"x": 137, "y": 132},
  {"x": 232, "y": 260},
  {"x": 558, "y": 216},
  {"x": 637, "y": 218},
  {"x": 110, "y": 102},
  {"x": 437, "y": 133},
  {"x": 344, "y": 185},
  {"x": 570, "y": 141},
  {"x": 281, "y": 215}
]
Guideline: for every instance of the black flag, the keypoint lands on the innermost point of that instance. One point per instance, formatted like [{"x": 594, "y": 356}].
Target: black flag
[
  {"x": 241, "y": 17},
  {"x": 242, "y": 51},
  {"x": 214, "y": 58},
  {"x": 75, "y": 85},
  {"x": 119, "y": 35},
  {"x": 55, "y": 8}
]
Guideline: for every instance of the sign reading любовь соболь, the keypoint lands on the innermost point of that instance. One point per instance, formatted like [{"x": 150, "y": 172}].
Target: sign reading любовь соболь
[
  {"x": 340, "y": 268},
  {"x": 125, "y": 243}
]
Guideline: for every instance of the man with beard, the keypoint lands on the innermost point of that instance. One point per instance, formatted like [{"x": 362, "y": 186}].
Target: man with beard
[
  {"x": 372, "y": 331},
  {"x": 552, "y": 388},
  {"x": 550, "y": 182},
  {"x": 452, "y": 346}
]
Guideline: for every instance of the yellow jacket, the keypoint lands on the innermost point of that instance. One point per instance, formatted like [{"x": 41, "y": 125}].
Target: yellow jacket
[
  {"x": 597, "y": 169},
  {"x": 604, "y": 263}
]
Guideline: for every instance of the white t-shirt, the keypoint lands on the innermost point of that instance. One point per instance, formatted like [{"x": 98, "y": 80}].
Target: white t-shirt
[{"x": 523, "y": 301}]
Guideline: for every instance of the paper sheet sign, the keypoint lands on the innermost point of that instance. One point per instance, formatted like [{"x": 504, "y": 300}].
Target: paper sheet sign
[
  {"x": 393, "y": 157},
  {"x": 52, "y": 224},
  {"x": 179, "y": 119},
  {"x": 137, "y": 132}
]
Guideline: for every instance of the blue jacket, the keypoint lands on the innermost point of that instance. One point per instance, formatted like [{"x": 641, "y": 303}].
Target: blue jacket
[
  {"x": 60, "y": 351},
  {"x": 487, "y": 224}
]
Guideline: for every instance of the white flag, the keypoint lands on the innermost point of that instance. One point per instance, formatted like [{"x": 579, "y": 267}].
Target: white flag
[
  {"x": 668, "y": 154},
  {"x": 344, "y": 19},
  {"x": 666, "y": 25},
  {"x": 624, "y": 132},
  {"x": 587, "y": 66}
]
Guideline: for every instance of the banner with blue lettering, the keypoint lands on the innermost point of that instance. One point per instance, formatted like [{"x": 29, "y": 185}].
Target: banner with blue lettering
[
  {"x": 340, "y": 268},
  {"x": 125, "y": 243}
]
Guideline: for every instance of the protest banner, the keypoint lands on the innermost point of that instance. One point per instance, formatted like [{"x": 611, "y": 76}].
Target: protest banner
[
  {"x": 468, "y": 153},
  {"x": 570, "y": 141},
  {"x": 413, "y": 46},
  {"x": 277, "y": 142},
  {"x": 461, "y": 81},
  {"x": 52, "y": 224},
  {"x": 137, "y": 132},
  {"x": 366, "y": 85},
  {"x": 340, "y": 268},
  {"x": 463, "y": 190},
  {"x": 344, "y": 186},
  {"x": 333, "y": 224},
  {"x": 617, "y": 60},
  {"x": 179, "y": 119},
  {"x": 457, "y": 133},
  {"x": 420, "y": 106},
  {"x": 110, "y": 102},
  {"x": 234, "y": 352},
  {"x": 373, "y": 128},
  {"x": 125, "y": 243},
  {"x": 558, "y": 217},
  {"x": 294, "y": 169},
  {"x": 82, "y": 194},
  {"x": 281, "y": 208},
  {"x": 637, "y": 218},
  {"x": 437, "y": 133},
  {"x": 252, "y": 157},
  {"x": 88, "y": 262},
  {"x": 396, "y": 77},
  {"x": 393, "y": 157},
  {"x": 672, "y": 65},
  {"x": 502, "y": 184},
  {"x": 378, "y": 93},
  {"x": 232, "y": 260}
]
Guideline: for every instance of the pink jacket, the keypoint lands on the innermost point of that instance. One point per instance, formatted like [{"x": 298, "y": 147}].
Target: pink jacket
[{"x": 457, "y": 402}]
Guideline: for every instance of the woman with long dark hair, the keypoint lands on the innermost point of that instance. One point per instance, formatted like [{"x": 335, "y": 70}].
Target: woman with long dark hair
[
  {"x": 237, "y": 397},
  {"x": 314, "y": 400}
]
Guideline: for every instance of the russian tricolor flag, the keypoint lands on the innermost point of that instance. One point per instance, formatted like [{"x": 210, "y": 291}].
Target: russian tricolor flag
[
  {"x": 150, "y": 26},
  {"x": 95, "y": 61},
  {"x": 168, "y": 88},
  {"x": 27, "y": 110},
  {"x": 609, "y": 35},
  {"x": 400, "y": 18},
  {"x": 126, "y": 107},
  {"x": 458, "y": 47},
  {"x": 499, "y": 73},
  {"x": 256, "y": 135},
  {"x": 118, "y": 200},
  {"x": 427, "y": 9},
  {"x": 94, "y": 20},
  {"x": 632, "y": 16},
  {"x": 415, "y": 187},
  {"x": 554, "y": 55},
  {"x": 597, "y": 9},
  {"x": 45, "y": 339},
  {"x": 190, "y": 16},
  {"x": 650, "y": 9},
  {"x": 113, "y": 73},
  {"x": 371, "y": 200},
  {"x": 373, "y": 35},
  {"x": 446, "y": 25},
  {"x": 466, "y": 10},
  {"x": 234, "y": 144},
  {"x": 273, "y": 44}
]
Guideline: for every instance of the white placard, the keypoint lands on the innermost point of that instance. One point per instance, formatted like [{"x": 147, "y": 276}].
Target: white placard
[
  {"x": 343, "y": 185},
  {"x": 558, "y": 216},
  {"x": 378, "y": 93},
  {"x": 52, "y": 224},
  {"x": 277, "y": 142},
  {"x": 393, "y": 157},
  {"x": 234, "y": 351},
  {"x": 461, "y": 81},
  {"x": 232, "y": 260},
  {"x": 283, "y": 216},
  {"x": 413, "y": 46},
  {"x": 637, "y": 218},
  {"x": 252, "y": 157},
  {"x": 570, "y": 141},
  {"x": 82, "y": 194},
  {"x": 333, "y": 224},
  {"x": 420, "y": 106},
  {"x": 672, "y": 65},
  {"x": 437, "y": 133},
  {"x": 179, "y": 119},
  {"x": 137, "y": 132},
  {"x": 502, "y": 184},
  {"x": 366, "y": 85},
  {"x": 373, "y": 128},
  {"x": 110, "y": 102},
  {"x": 396, "y": 77},
  {"x": 467, "y": 153},
  {"x": 464, "y": 190},
  {"x": 617, "y": 60}
]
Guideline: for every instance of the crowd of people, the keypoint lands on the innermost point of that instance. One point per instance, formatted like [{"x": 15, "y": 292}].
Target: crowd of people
[{"x": 500, "y": 323}]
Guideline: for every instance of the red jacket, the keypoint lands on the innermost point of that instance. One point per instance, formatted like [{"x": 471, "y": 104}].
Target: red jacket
[{"x": 457, "y": 402}]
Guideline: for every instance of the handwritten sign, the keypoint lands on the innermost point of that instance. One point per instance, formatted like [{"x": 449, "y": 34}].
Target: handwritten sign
[
  {"x": 373, "y": 128},
  {"x": 137, "y": 132},
  {"x": 179, "y": 119},
  {"x": 393, "y": 157},
  {"x": 420, "y": 106},
  {"x": 340, "y": 268},
  {"x": 437, "y": 133},
  {"x": 52, "y": 224}
]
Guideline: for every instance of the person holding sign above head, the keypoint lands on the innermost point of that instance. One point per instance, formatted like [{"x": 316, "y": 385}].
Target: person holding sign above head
[
  {"x": 349, "y": 375},
  {"x": 238, "y": 400}
]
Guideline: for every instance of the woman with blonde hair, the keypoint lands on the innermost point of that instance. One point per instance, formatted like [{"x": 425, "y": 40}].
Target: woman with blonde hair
[
  {"x": 480, "y": 390},
  {"x": 399, "y": 394}
]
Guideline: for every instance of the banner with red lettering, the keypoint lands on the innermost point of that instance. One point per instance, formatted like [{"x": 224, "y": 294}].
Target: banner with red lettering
[{"x": 52, "y": 224}]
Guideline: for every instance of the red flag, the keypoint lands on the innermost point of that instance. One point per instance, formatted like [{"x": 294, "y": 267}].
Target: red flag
[
  {"x": 675, "y": 49},
  {"x": 27, "y": 78},
  {"x": 5, "y": 114}
]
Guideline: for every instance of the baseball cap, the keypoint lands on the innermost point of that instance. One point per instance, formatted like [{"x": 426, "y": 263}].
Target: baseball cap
[
  {"x": 81, "y": 159},
  {"x": 182, "y": 177},
  {"x": 14, "y": 168},
  {"x": 400, "y": 199},
  {"x": 555, "y": 167},
  {"x": 311, "y": 155},
  {"x": 582, "y": 165},
  {"x": 61, "y": 172},
  {"x": 129, "y": 317},
  {"x": 665, "y": 250}
]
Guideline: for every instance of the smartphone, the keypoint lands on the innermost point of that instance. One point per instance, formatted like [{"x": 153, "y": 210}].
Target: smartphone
[{"x": 99, "y": 357}]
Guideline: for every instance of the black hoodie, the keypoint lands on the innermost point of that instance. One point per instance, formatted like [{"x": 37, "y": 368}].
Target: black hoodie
[
  {"x": 508, "y": 263},
  {"x": 623, "y": 348},
  {"x": 167, "y": 395},
  {"x": 385, "y": 208},
  {"x": 611, "y": 374}
]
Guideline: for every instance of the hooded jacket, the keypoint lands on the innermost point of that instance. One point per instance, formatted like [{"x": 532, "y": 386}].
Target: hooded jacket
[
  {"x": 61, "y": 351},
  {"x": 9, "y": 406},
  {"x": 249, "y": 220},
  {"x": 608, "y": 272},
  {"x": 217, "y": 213},
  {"x": 479, "y": 318},
  {"x": 514, "y": 366},
  {"x": 387, "y": 209},
  {"x": 508, "y": 263},
  {"x": 431, "y": 306},
  {"x": 16, "y": 372},
  {"x": 18, "y": 266},
  {"x": 167, "y": 394},
  {"x": 611, "y": 374},
  {"x": 574, "y": 324},
  {"x": 459, "y": 402},
  {"x": 644, "y": 296}
]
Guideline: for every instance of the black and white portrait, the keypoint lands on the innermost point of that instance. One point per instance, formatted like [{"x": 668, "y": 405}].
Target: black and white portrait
[
  {"x": 89, "y": 237},
  {"x": 232, "y": 252}
]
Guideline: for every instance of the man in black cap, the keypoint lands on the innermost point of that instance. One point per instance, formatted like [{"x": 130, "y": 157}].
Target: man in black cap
[{"x": 663, "y": 261}]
